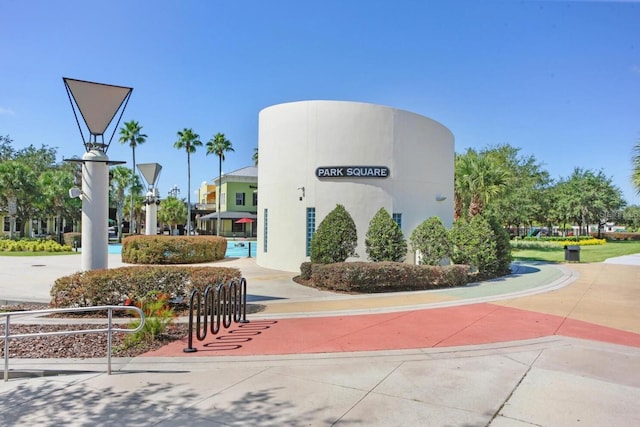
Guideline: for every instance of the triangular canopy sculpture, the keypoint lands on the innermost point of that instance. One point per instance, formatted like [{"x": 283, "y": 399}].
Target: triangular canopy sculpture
[
  {"x": 98, "y": 104},
  {"x": 150, "y": 172}
]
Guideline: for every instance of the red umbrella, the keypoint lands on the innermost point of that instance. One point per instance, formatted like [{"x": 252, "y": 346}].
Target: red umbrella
[{"x": 244, "y": 221}]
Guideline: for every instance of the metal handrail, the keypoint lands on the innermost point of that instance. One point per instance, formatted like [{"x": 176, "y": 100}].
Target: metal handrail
[{"x": 109, "y": 329}]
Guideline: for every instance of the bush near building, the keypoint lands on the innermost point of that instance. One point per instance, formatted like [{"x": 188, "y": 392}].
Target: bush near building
[
  {"x": 142, "y": 249},
  {"x": 384, "y": 240},
  {"x": 336, "y": 238},
  {"x": 368, "y": 277},
  {"x": 431, "y": 239},
  {"x": 503, "y": 248},
  {"x": 118, "y": 286},
  {"x": 474, "y": 244}
]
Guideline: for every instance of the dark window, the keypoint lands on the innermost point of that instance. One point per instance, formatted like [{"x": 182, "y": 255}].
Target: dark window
[
  {"x": 397, "y": 217},
  {"x": 239, "y": 199}
]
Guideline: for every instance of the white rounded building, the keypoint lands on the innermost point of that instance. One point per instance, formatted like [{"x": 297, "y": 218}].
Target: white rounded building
[{"x": 316, "y": 154}]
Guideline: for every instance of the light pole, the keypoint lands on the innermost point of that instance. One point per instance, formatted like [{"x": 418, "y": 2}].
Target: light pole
[
  {"x": 150, "y": 172},
  {"x": 174, "y": 192},
  {"x": 98, "y": 104}
]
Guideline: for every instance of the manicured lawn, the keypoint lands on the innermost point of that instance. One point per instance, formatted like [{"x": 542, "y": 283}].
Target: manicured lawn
[{"x": 596, "y": 253}]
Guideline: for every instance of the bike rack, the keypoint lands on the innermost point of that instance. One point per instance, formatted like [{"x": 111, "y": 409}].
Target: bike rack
[
  {"x": 109, "y": 329},
  {"x": 223, "y": 304}
]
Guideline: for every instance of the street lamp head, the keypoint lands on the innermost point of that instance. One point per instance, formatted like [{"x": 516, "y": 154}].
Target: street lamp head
[{"x": 98, "y": 104}]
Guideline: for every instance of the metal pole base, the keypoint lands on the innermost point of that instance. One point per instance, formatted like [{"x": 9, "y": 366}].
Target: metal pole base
[{"x": 189, "y": 350}]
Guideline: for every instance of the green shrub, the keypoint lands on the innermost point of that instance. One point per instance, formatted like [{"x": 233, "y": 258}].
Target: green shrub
[
  {"x": 140, "y": 249},
  {"x": 386, "y": 276},
  {"x": 474, "y": 244},
  {"x": 32, "y": 245},
  {"x": 115, "y": 286},
  {"x": 70, "y": 238},
  {"x": 158, "y": 316},
  {"x": 384, "y": 240},
  {"x": 305, "y": 271},
  {"x": 503, "y": 248},
  {"x": 431, "y": 238},
  {"x": 336, "y": 238}
]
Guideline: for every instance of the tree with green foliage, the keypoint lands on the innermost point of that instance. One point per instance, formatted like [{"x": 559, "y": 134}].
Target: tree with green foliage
[
  {"x": 384, "y": 240},
  {"x": 587, "y": 197},
  {"x": 54, "y": 187},
  {"x": 37, "y": 159},
  {"x": 431, "y": 239},
  {"x": 631, "y": 217},
  {"x": 188, "y": 140},
  {"x": 478, "y": 178},
  {"x": 219, "y": 145},
  {"x": 635, "y": 167},
  {"x": 474, "y": 244},
  {"x": 503, "y": 247},
  {"x": 524, "y": 198},
  {"x": 19, "y": 184},
  {"x": 254, "y": 157},
  {"x": 131, "y": 133},
  {"x": 120, "y": 180},
  {"x": 6, "y": 149},
  {"x": 336, "y": 238},
  {"x": 172, "y": 211}
]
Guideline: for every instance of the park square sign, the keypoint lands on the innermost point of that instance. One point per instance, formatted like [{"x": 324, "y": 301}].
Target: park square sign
[{"x": 352, "y": 172}]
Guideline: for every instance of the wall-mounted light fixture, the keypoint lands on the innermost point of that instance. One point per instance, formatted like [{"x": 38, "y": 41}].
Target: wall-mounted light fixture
[
  {"x": 440, "y": 198},
  {"x": 302, "y": 193},
  {"x": 75, "y": 192}
]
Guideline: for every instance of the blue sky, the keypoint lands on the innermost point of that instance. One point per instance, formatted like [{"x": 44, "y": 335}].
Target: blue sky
[{"x": 560, "y": 80}]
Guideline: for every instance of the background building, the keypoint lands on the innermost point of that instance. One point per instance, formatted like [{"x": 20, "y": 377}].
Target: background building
[
  {"x": 316, "y": 154},
  {"x": 238, "y": 192}
]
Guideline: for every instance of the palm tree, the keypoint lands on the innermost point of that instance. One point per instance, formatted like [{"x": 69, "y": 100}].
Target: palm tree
[
  {"x": 255, "y": 156},
  {"x": 477, "y": 180},
  {"x": 219, "y": 145},
  {"x": 131, "y": 133},
  {"x": 635, "y": 176},
  {"x": 121, "y": 177},
  {"x": 188, "y": 140}
]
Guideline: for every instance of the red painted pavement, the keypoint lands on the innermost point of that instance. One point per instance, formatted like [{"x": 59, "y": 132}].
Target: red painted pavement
[{"x": 442, "y": 327}]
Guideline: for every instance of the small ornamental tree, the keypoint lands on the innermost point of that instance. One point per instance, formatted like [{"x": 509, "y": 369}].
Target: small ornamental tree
[
  {"x": 503, "y": 247},
  {"x": 384, "y": 240},
  {"x": 431, "y": 238},
  {"x": 474, "y": 244},
  {"x": 336, "y": 238}
]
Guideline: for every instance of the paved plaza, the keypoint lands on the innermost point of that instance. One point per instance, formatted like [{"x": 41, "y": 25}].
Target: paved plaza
[{"x": 550, "y": 345}]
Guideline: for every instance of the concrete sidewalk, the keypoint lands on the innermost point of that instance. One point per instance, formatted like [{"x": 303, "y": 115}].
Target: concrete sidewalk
[{"x": 571, "y": 371}]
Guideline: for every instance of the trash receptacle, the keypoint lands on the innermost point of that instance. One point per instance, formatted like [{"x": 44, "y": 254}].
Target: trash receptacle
[{"x": 572, "y": 253}]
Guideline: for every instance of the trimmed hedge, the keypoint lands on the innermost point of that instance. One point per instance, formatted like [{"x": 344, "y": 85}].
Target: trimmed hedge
[
  {"x": 618, "y": 235},
  {"x": 71, "y": 237},
  {"x": 31, "y": 245},
  {"x": 141, "y": 249},
  {"x": 115, "y": 286},
  {"x": 367, "y": 277}
]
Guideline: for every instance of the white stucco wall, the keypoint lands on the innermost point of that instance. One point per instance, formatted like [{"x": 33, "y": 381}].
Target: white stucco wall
[{"x": 296, "y": 138}]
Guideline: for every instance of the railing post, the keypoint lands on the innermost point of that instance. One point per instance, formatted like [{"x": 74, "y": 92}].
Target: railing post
[
  {"x": 6, "y": 348},
  {"x": 109, "y": 341}
]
